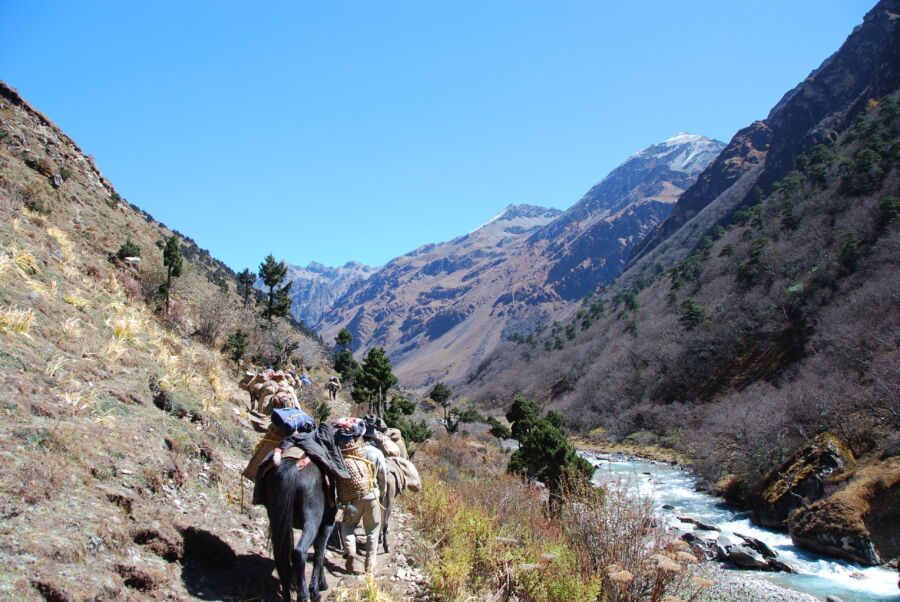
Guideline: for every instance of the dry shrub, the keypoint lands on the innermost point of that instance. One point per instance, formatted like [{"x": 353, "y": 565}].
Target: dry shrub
[
  {"x": 94, "y": 272},
  {"x": 496, "y": 537},
  {"x": 619, "y": 532},
  {"x": 366, "y": 591},
  {"x": 131, "y": 285},
  {"x": 493, "y": 535}
]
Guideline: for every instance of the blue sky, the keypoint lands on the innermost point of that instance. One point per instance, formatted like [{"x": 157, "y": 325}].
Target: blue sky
[{"x": 338, "y": 130}]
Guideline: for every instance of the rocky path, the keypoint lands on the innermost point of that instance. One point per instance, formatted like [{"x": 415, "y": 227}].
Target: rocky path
[{"x": 398, "y": 573}]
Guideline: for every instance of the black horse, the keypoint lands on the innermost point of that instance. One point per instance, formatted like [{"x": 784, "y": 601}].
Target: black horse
[{"x": 297, "y": 499}]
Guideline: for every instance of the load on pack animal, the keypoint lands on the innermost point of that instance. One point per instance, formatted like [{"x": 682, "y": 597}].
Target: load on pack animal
[
  {"x": 271, "y": 389},
  {"x": 295, "y": 481},
  {"x": 401, "y": 474}
]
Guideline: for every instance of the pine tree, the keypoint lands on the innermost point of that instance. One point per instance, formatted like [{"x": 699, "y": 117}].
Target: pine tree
[
  {"x": 237, "y": 344},
  {"x": 172, "y": 260},
  {"x": 246, "y": 280},
  {"x": 129, "y": 249},
  {"x": 344, "y": 338},
  {"x": 344, "y": 362},
  {"x": 441, "y": 393},
  {"x": 273, "y": 274},
  {"x": 544, "y": 452},
  {"x": 374, "y": 379}
]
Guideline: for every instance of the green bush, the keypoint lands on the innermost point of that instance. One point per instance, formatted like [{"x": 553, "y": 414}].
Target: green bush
[
  {"x": 237, "y": 344},
  {"x": 692, "y": 314},
  {"x": 414, "y": 431},
  {"x": 129, "y": 249},
  {"x": 888, "y": 213},
  {"x": 321, "y": 411}
]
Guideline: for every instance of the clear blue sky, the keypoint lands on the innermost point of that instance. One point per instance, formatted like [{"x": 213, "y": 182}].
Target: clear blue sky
[{"x": 334, "y": 130}]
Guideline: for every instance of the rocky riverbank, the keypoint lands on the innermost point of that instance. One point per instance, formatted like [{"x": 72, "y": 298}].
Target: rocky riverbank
[
  {"x": 741, "y": 586},
  {"x": 717, "y": 532},
  {"x": 653, "y": 453}
]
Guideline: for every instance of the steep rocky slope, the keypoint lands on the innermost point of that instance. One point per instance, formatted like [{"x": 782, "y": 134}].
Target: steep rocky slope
[
  {"x": 445, "y": 292},
  {"x": 123, "y": 431},
  {"x": 442, "y": 308},
  {"x": 866, "y": 66}
]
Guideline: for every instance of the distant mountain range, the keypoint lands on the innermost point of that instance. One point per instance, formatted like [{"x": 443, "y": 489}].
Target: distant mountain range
[
  {"x": 316, "y": 287},
  {"x": 440, "y": 309}
]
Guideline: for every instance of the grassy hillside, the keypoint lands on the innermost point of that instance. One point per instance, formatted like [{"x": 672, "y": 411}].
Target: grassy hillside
[{"x": 123, "y": 430}]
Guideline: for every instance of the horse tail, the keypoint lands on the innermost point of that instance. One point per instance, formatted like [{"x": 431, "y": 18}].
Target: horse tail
[{"x": 280, "y": 503}]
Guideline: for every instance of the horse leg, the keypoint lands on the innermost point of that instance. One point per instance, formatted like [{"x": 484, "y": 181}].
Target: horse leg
[
  {"x": 301, "y": 555},
  {"x": 285, "y": 576},
  {"x": 282, "y": 536},
  {"x": 317, "y": 580},
  {"x": 387, "y": 503}
]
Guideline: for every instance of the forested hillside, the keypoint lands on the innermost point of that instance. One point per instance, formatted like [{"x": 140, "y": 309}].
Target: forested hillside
[{"x": 768, "y": 321}]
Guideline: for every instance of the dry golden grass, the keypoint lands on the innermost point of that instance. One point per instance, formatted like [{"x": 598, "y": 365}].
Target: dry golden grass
[
  {"x": 65, "y": 244},
  {"x": 124, "y": 326},
  {"x": 366, "y": 591},
  {"x": 16, "y": 321},
  {"x": 75, "y": 300},
  {"x": 54, "y": 364},
  {"x": 6, "y": 265},
  {"x": 46, "y": 291},
  {"x": 79, "y": 401},
  {"x": 71, "y": 328},
  {"x": 23, "y": 260},
  {"x": 114, "y": 350}
]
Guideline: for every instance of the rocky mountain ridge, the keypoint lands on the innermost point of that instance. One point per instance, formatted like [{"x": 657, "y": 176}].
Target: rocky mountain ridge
[
  {"x": 440, "y": 309},
  {"x": 813, "y": 112},
  {"x": 317, "y": 286}
]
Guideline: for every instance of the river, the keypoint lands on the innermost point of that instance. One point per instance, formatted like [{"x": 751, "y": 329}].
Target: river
[{"x": 816, "y": 575}]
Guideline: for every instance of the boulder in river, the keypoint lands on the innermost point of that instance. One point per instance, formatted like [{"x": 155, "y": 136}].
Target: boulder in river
[
  {"x": 722, "y": 547},
  {"x": 701, "y": 546},
  {"x": 858, "y": 522},
  {"x": 746, "y": 557},
  {"x": 698, "y": 523},
  {"x": 774, "y": 564},
  {"x": 757, "y": 545},
  {"x": 800, "y": 481}
]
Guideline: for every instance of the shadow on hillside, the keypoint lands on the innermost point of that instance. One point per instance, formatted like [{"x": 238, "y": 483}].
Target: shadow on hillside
[{"x": 212, "y": 571}]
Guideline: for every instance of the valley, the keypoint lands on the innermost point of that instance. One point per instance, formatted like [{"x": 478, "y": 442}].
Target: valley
[{"x": 732, "y": 307}]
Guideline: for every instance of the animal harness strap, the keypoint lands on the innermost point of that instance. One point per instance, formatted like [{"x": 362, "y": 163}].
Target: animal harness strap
[{"x": 372, "y": 469}]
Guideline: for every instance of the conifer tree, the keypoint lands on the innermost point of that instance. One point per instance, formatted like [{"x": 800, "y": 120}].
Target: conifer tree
[
  {"x": 273, "y": 274},
  {"x": 344, "y": 338},
  {"x": 172, "y": 260},
  {"x": 246, "y": 280},
  {"x": 544, "y": 452},
  {"x": 373, "y": 381},
  {"x": 440, "y": 394},
  {"x": 344, "y": 362}
]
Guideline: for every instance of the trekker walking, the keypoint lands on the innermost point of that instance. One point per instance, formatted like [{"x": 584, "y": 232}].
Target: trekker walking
[
  {"x": 359, "y": 495},
  {"x": 334, "y": 386}
]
